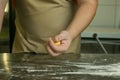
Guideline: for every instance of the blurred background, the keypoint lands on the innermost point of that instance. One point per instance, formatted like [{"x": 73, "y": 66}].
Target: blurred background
[
  {"x": 4, "y": 34},
  {"x": 105, "y": 27}
]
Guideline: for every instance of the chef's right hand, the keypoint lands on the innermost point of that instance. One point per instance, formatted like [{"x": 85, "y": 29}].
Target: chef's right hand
[{"x": 65, "y": 40}]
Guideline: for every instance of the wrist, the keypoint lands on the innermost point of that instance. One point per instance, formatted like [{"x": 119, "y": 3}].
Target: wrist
[{"x": 70, "y": 34}]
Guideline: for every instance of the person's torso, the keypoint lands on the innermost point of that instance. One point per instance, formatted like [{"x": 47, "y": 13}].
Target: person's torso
[{"x": 36, "y": 20}]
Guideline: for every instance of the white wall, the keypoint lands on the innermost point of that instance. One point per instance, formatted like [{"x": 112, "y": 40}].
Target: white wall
[
  {"x": 107, "y": 20},
  {"x": 108, "y": 14}
]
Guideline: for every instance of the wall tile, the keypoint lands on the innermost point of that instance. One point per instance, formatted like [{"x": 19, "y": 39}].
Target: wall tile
[
  {"x": 104, "y": 17},
  {"x": 118, "y": 17},
  {"x": 118, "y": 2},
  {"x": 107, "y": 2},
  {"x": 107, "y": 18}
]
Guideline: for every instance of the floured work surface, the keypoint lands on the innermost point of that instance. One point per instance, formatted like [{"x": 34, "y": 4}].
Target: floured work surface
[{"x": 44, "y": 67}]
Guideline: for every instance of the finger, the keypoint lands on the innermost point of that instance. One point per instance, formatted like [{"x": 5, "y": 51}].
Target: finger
[
  {"x": 59, "y": 37},
  {"x": 52, "y": 52},
  {"x": 60, "y": 48},
  {"x": 52, "y": 45}
]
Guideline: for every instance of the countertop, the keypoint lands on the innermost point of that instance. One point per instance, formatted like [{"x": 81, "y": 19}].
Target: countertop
[{"x": 30, "y": 66}]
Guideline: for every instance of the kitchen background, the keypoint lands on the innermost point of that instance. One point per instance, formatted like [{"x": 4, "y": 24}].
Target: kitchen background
[{"x": 106, "y": 25}]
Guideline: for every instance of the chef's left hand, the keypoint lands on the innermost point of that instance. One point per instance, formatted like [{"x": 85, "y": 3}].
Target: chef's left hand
[{"x": 65, "y": 40}]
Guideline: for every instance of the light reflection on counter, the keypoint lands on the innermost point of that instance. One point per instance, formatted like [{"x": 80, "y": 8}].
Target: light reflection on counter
[
  {"x": 6, "y": 58},
  {"x": 43, "y": 67}
]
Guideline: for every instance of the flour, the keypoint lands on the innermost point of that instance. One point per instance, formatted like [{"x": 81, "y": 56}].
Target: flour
[{"x": 101, "y": 70}]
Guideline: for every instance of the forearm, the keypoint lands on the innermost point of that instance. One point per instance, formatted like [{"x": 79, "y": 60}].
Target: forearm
[
  {"x": 84, "y": 15},
  {"x": 2, "y": 7}
]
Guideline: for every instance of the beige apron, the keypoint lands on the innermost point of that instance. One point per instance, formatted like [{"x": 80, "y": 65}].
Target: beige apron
[{"x": 36, "y": 20}]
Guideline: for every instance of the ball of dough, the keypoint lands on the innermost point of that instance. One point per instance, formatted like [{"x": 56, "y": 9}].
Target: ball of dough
[{"x": 57, "y": 43}]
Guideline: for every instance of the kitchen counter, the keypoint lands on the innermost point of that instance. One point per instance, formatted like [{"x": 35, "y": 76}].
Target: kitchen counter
[{"x": 31, "y": 66}]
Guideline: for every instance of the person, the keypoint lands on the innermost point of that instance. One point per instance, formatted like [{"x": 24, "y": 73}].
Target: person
[{"x": 40, "y": 24}]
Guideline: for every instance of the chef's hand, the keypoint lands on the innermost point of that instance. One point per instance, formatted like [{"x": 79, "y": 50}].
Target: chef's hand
[{"x": 64, "y": 40}]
